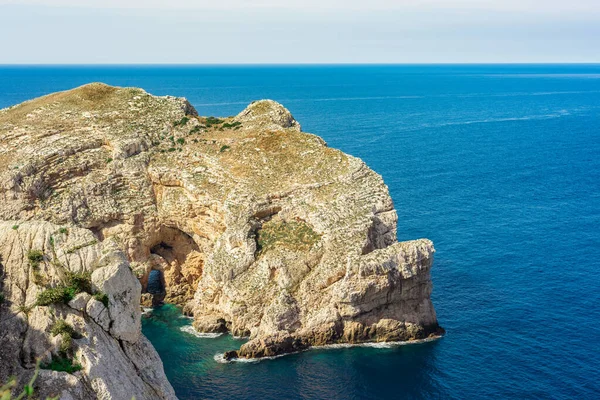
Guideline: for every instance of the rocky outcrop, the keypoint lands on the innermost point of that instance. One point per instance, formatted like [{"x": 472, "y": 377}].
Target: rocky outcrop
[
  {"x": 254, "y": 227},
  {"x": 115, "y": 361}
]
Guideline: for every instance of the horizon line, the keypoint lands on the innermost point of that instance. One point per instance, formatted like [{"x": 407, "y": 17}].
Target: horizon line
[{"x": 290, "y": 64}]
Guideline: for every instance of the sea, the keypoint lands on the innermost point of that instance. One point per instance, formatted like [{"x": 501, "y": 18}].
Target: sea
[{"x": 499, "y": 165}]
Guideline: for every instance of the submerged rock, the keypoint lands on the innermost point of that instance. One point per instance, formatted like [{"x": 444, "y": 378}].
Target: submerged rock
[{"x": 253, "y": 226}]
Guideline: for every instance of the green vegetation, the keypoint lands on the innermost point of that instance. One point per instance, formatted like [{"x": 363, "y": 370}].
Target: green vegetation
[
  {"x": 224, "y": 147},
  {"x": 1, "y": 297},
  {"x": 182, "y": 122},
  {"x": 81, "y": 246},
  {"x": 59, "y": 294},
  {"x": 181, "y": 141},
  {"x": 235, "y": 124},
  {"x": 80, "y": 281},
  {"x": 64, "y": 231},
  {"x": 67, "y": 334},
  {"x": 172, "y": 149},
  {"x": 28, "y": 391},
  {"x": 62, "y": 364},
  {"x": 294, "y": 235},
  {"x": 196, "y": 129},
  {"x": 24, "y": 309},
  {"x": 109, "y": 160},
  {"x": 62, "y": 327},
  {"x": 102, "y": 297},
  {"x": 76, "y": 282},
  {"x": 35, "y": 257},
  {"x": 211, "y": 121},
  {"x": 15, "y": 227}
]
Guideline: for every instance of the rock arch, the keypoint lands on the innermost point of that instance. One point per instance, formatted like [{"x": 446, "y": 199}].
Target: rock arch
[{"x": 178, "y": 260}]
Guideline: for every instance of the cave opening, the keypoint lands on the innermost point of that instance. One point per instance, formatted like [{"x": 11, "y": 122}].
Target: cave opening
[
  {"x": 174, "y": 264},
  {"x": 156, "y": 282}
]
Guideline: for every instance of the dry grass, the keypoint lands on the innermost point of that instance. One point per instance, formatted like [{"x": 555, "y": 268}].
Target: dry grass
[{"x": 293, "y": 235}]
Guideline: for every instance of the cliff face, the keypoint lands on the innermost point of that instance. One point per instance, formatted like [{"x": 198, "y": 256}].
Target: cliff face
[{"x": 255, "y": 228}]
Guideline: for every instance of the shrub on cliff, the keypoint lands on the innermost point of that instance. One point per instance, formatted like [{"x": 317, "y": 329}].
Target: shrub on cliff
[
  {"x": 80, "y": 281},
  {"x": 35, "y": 257},
  {"x": 59, "y": 294},
  {"x": 76, "y": 282},
  {"x": 61, "y": 327},
  {"x": 183, "y": 121},
  {"x": 67, "y": 333},
  {"x": 62, "y": 364}
]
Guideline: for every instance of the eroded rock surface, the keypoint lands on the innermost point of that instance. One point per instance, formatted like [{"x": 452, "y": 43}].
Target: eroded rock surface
[{"x": 255, "y": 227}]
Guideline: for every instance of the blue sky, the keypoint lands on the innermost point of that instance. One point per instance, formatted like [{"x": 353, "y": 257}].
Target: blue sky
[{"x": 299, "y": 31}]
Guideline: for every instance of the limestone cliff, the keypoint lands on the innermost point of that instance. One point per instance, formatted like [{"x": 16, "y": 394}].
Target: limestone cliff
[{"x": 255, "y": 227}]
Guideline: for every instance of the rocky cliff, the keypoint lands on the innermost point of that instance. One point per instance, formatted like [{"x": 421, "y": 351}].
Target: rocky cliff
[{"x": 254, "y": 227}]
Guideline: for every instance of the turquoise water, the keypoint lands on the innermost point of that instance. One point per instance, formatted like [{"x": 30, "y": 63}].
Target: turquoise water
[{"x": 498, "y": 165}]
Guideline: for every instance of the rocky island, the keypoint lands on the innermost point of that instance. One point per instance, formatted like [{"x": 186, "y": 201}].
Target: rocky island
[{"x": 249, "y": 224}]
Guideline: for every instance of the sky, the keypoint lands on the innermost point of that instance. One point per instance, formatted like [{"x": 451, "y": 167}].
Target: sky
[{"x": 298, "y": 31}]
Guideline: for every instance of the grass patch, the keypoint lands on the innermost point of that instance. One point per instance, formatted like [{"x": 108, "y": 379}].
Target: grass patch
[
  {"x": 35, "y": 257},
  {"x": 64, "y": 231},
  {"x": 24, "y": 309},
  {"x": 67, "y": 334},
  {"x": 182, "y": 122},
  {"x": 102, "y": 297},
  {"x": 62, "y": 327},
  {"x": 80, "y": 281},
  {"x": 15, "y": 227},
  {"x": 196, "y": 129},
  {"x": 224, "y": 147},
  {"x": 59, "y": 294},
  {"x": 109, "y": 160},
  {"x": 62, "y": 364},
  {"x": 181, "y": 141},
  {"x": 77, "y": 282},
  {"x": 172, "y": 149},
  {"x": 294, "y": 235},
  {"x": 235, "y": 124},
  {"x": 81, "y": 246},
  {"x": 212, "y": 121}
]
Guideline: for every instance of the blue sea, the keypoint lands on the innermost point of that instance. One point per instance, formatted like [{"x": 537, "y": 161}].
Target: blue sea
[{"x": 498, "y": 164}]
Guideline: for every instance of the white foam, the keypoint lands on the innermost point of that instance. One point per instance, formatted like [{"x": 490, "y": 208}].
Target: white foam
[
  {"x": 375, "y": 345},
  {"x": 147, "y": 310},
  {"x": 190, "y": 329},
  {"x": 186, "y": 316},
  {"x": 219, "y": 357}
]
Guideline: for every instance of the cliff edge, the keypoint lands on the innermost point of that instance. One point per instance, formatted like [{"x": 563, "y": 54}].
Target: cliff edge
[{"x": 251, "y": 225}]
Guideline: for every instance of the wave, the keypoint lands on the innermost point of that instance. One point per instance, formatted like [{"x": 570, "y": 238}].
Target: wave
[
  {"x": 376, "y": 345},
  {"x": 460, "y": 95},
  {"x": 562, "y": 113},
  {"x": 147, "y": 310},
  {"x": 220, "y": 357},
  {"x": 190, "y": 329}
]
